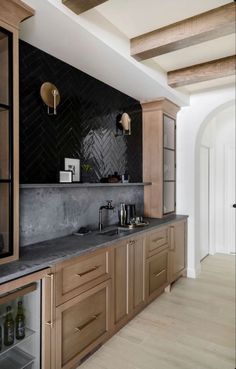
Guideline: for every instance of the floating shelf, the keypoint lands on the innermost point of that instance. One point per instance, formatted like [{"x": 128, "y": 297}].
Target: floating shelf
[
  {"x": 28, "y": 333},
  {"x": 81, "y": 185}
]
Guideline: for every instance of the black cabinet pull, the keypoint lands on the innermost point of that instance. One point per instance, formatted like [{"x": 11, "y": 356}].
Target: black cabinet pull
[{"x": 234, "y": 205}]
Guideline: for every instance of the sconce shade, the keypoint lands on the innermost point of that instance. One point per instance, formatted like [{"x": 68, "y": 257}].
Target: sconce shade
[
  {"x": 125, "y": 121},
  {"x": 50, "y": 94}
]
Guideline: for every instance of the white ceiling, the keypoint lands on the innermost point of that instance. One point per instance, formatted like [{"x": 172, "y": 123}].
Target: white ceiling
[
  {"x": 97, "y": 42},
  {"x": 136, "y": 17}
]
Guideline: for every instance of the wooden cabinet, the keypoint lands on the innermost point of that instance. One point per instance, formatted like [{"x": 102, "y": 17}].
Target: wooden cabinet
[
  {"x": 121, "y": 283},
  {"x": 48, "y": 321},
  {"x": 156, "y": 241},
  {"x": 81, "y": 324},
  {"x": 157, "y": 277},
  {"x": 128, "y": 284},
  {"x": 83, "y": 307},
  {"x": 98, "y": 293},
  {"x": 178, "y": 249},
  {"x": 79, "y": 274},
  {"x": 157, "y": 262},
  {"x": 159, "y": 158},
  {"x": 12, "y": 13},
  {"x": 137, "y": 273}
]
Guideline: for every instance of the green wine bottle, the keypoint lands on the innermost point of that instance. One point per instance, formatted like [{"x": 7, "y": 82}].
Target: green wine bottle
[
  {"x": 0, "y": 338},
  {"x": 20, "y": 322},
  {"x": 8, "y": 328}
]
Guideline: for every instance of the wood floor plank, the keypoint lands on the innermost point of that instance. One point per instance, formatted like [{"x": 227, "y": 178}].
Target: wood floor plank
[{"x": 193, "y": 327}]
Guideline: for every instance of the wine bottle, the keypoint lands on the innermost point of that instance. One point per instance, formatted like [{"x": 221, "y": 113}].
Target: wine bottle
[
  {"x": 0, "y": 338},
  {"x": 8, "y": 328},
  {"x": 20, "y": 322}
]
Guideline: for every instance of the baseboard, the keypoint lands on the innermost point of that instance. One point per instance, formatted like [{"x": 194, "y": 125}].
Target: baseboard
[{"x": 193, "y": 272}]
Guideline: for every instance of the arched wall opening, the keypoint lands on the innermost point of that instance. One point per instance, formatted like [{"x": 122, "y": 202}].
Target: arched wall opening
[
  {"x": 215, "y": 182},
  {"x": 191, "y": 122}
]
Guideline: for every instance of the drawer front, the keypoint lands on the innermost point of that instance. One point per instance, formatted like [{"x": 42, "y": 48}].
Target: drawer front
[
  {"x": 82, "y": 322},
  {"x": 158, "y": 272},
  {"x": 78, "y": 276},
  {"x": 157, "y": 241}
]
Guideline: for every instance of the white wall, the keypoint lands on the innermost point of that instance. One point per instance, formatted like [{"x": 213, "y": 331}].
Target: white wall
[{"x": 191, "y": 122}]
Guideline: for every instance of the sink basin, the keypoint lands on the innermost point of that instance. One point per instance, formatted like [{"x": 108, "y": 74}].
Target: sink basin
[{"x": 114, "y": 232}]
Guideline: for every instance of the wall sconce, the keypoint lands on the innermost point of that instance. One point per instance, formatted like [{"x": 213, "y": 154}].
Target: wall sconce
[
  {"x": 124, "y": 124},
  {"x": 50, "y": 96}
]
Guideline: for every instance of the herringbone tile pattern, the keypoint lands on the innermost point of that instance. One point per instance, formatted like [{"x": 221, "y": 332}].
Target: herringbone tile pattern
[{"x": 84, "y": 127}]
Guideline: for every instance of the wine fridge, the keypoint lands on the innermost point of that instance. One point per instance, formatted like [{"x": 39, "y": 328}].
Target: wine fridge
[{"x": 22, "y": 325}]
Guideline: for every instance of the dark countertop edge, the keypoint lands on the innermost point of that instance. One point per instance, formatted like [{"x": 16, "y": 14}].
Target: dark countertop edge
[
  {"x": 80, "y": 185},
  {"x": 29, "y": 269}
]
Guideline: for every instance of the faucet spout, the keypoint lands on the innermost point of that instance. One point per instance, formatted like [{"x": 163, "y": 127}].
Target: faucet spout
[{"x": 109, "y": 206}]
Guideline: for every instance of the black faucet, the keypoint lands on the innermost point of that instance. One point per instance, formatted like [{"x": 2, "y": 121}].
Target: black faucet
[{"x": 107, "y": 207}]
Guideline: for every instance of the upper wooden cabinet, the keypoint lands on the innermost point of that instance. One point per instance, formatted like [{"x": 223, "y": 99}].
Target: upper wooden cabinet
[
  {"x": 159, "y": 157},
  {"x": 11, "y": 14}
]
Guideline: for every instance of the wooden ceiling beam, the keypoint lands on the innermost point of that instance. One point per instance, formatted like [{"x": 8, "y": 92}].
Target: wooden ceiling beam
[
  {"x": 81, "y": 6},
  {"x": 203, "y": 27},
  {"x": 202, "y": 72}
]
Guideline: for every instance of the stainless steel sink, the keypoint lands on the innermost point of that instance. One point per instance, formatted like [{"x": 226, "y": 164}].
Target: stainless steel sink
[{"x": 114, "y": 232}]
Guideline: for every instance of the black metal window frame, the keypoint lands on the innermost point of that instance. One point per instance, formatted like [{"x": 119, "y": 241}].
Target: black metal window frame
[
  {"x": 10, "y": 181},
  {"x": 171, "y": 181}
]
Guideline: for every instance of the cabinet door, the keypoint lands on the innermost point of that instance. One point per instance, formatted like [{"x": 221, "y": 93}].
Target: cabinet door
[
  {"x": 137, "y": 273},
  {"x": 157, "y": 277},
  {"x": 82, "y": 324},
  {"x": 76, "y": 276},
  {"x": 48, "y": 321},
  {"x": 177, "y": 249},
  {"x": 121, "y": 283}
]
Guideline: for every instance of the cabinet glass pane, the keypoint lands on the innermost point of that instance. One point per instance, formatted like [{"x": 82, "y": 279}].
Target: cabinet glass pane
[
  {"x": 169, "y": 197},
  {"x": 4, "y": 145},
  {"x": 4, "y": 218},
  {"x": 4, "y": 68},
  {"x": 169, "y": 165},
  {"x": 169, "y": 132}
]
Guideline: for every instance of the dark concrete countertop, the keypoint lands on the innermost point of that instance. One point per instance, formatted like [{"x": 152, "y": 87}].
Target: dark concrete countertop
[{"x": 46, "y": 254}]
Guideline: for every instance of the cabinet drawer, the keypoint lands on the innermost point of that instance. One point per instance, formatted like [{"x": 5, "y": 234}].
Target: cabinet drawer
[
  {"x": 77, "y": 276},
  {"x": 157, "y": 272},
  {"x": 81, "y": 324},
  {"x": 156, "y": 242}
]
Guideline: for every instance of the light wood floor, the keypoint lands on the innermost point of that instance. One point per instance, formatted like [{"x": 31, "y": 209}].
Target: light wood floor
[{"x": 193, "y": 327}]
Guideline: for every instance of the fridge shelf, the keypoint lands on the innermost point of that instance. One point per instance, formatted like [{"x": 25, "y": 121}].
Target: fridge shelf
[
  {"x": 5, "y": 349},
  {"x": 16, "y": 359}
]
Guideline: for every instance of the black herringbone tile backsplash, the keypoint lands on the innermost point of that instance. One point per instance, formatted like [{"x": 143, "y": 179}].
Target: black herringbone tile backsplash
[{"x": 83, "y": 128}]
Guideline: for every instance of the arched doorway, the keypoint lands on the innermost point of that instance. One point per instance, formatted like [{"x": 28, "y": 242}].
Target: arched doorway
[{"x": 215, "y": 183}]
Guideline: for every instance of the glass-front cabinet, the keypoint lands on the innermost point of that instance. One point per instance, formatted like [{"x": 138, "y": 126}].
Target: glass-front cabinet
[
  {"x": 159, "y": 157},
  {"x": 169, "y": 165},
  {"x": 6, "y": 144},
  {"x": 12, "y": 12}
]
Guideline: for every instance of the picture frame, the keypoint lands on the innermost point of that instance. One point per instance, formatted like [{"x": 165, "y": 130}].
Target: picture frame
[{"x": 74, "y": 166}]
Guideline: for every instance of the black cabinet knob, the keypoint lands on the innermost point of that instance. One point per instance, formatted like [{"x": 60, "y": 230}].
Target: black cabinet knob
[{"x": 234, "y": 205}]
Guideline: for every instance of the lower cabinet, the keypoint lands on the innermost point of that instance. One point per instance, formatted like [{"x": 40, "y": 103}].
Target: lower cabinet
[
  {"x": 129, "y": 280},
  {"x": 157, "y": 277},
  {"x": 178, "y": 249},
  {"x": 97, "y": 294},
  {"x": 81, "y": 324}
]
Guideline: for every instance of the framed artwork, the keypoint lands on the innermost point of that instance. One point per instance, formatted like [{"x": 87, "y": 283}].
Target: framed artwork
[{"x": 74, "y": 166}]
